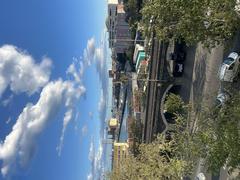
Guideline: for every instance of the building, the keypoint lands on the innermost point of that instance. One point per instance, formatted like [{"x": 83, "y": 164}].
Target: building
[
  {"x": 137, "y": 50},
  {"x": 123, "y": 34},
  {"x": 120, "y": 152},
  {"x": 111, "y": 20},
  {"x": 139, "y": 59},
  {"x": 118, "y": 28},
  {"x": 112, "y": 126},
  {"x": 111, "y": 73},
  {"x": 113, "y": 123}
]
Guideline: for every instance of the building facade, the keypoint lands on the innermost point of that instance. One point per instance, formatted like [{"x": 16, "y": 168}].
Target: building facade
[
  {"x": 118, "y": 28},
  {"x": 111, "y": 20},
  {"x": 120, "y": 153},
  {"x": 123, "y": 34}
]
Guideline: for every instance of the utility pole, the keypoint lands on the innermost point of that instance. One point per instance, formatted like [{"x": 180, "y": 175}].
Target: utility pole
[{"x": 151, "y": 80}]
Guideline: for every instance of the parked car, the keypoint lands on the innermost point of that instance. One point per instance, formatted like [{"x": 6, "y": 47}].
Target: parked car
[
  {"x": 200, "y": 176},
  {"x": 179, "y": 53},
  {"x": 178, "y": 68},
  {"x": 178, "y": 56},
  {"x": 229, "y": 68},
  {"x": 222, "y": 98}
]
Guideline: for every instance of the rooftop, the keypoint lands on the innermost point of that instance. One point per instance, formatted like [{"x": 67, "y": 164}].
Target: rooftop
[
  {"x": 112, "y": 1},
  {"x": 120, "y": 8}
]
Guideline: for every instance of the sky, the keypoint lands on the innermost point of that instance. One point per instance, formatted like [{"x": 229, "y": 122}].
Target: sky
[{"x": 54, "y": 90}]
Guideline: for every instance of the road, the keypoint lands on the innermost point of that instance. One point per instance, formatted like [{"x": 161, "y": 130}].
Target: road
[{"x": 201, "y": 83}]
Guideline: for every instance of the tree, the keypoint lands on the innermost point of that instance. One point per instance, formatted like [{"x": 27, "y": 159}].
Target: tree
[
  {"x": 174, "y": 104},
  {"x": 165, "y": 158},
  {"x": 220, "y": 137},
  {"x": 217, "y": 138},
  {"x": 155, "y": 161},
  {"x": 132, "y": 8},
  {"x": 134, "y": 134},
  {"x": 208, "y": 21}
]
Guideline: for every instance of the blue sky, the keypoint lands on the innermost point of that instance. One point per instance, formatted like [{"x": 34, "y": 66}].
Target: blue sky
[{"x": 53, "y": 89}]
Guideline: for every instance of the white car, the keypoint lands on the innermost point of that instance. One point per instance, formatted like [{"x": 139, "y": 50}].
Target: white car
[
  {"x": 229, "y": 68},
  {"x": 200, "y": 176}
]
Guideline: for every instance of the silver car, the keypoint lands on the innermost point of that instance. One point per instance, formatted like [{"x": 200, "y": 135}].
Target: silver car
[
  {"x": 222, "y": 98},
  {"x": 200, "y": 176},
  {"x": 229, "y": 68}
]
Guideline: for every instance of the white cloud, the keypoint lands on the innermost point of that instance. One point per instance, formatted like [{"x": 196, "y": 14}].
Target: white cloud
[
  {"x": 96, "y": 158},
  {"x": 91, "y": 153},
  {"x": 91, "y": 54},
  {"x": 19, "y": 71},
  {"x": 99, "y": 60},
  {"x": 19, "y": 144},
  {"x": 66, "y": 120},
  {"x": 77, "y": 68},
  {"x": 76, "y": 73},
  {"x": 8, "y": 120},
  {"x": 7, "y": 101},
  {"x": 90, "y": 114},
  {"x": 101, "y": 103},
  {"x": 99, "y": 57},
  {"x": 101, "y": 67},
  {"x": 102, "y": 106},
  {"x": 90, "y": 176},
  {"x": 88, "y": 53},
  {"x": 81, "y": 69},
  {"x": 84, "y": 130},
  {"x": 76, "y": 121}
]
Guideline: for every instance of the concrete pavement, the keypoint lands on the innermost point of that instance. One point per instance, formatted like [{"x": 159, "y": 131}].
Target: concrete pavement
[{"x": 201, "y": 83}]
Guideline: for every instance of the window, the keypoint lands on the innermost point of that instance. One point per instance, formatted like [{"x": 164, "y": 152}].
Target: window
[
  {"x": 231, "y": 66},
  {"x": 229, "y": 61}
]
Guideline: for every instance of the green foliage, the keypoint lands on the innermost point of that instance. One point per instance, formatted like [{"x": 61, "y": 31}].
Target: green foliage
[
  {"x": 135, "y": 134},
  {"x": 123, "y": 78},
  {"x": 129, "y": 54},
  {"x": 133, "y": 16},
  {"x": 132, "y": 8},
  {"x": 166, "y": 157},
  {"x": 140, "y": 94},
  {"x": 208, "y": 21},
  {"x": 217, "y": 138},
  {"x": 155, "y": 161},
  {"x": 222, "y": 138},
  {"x": 174, "y": 104}
]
